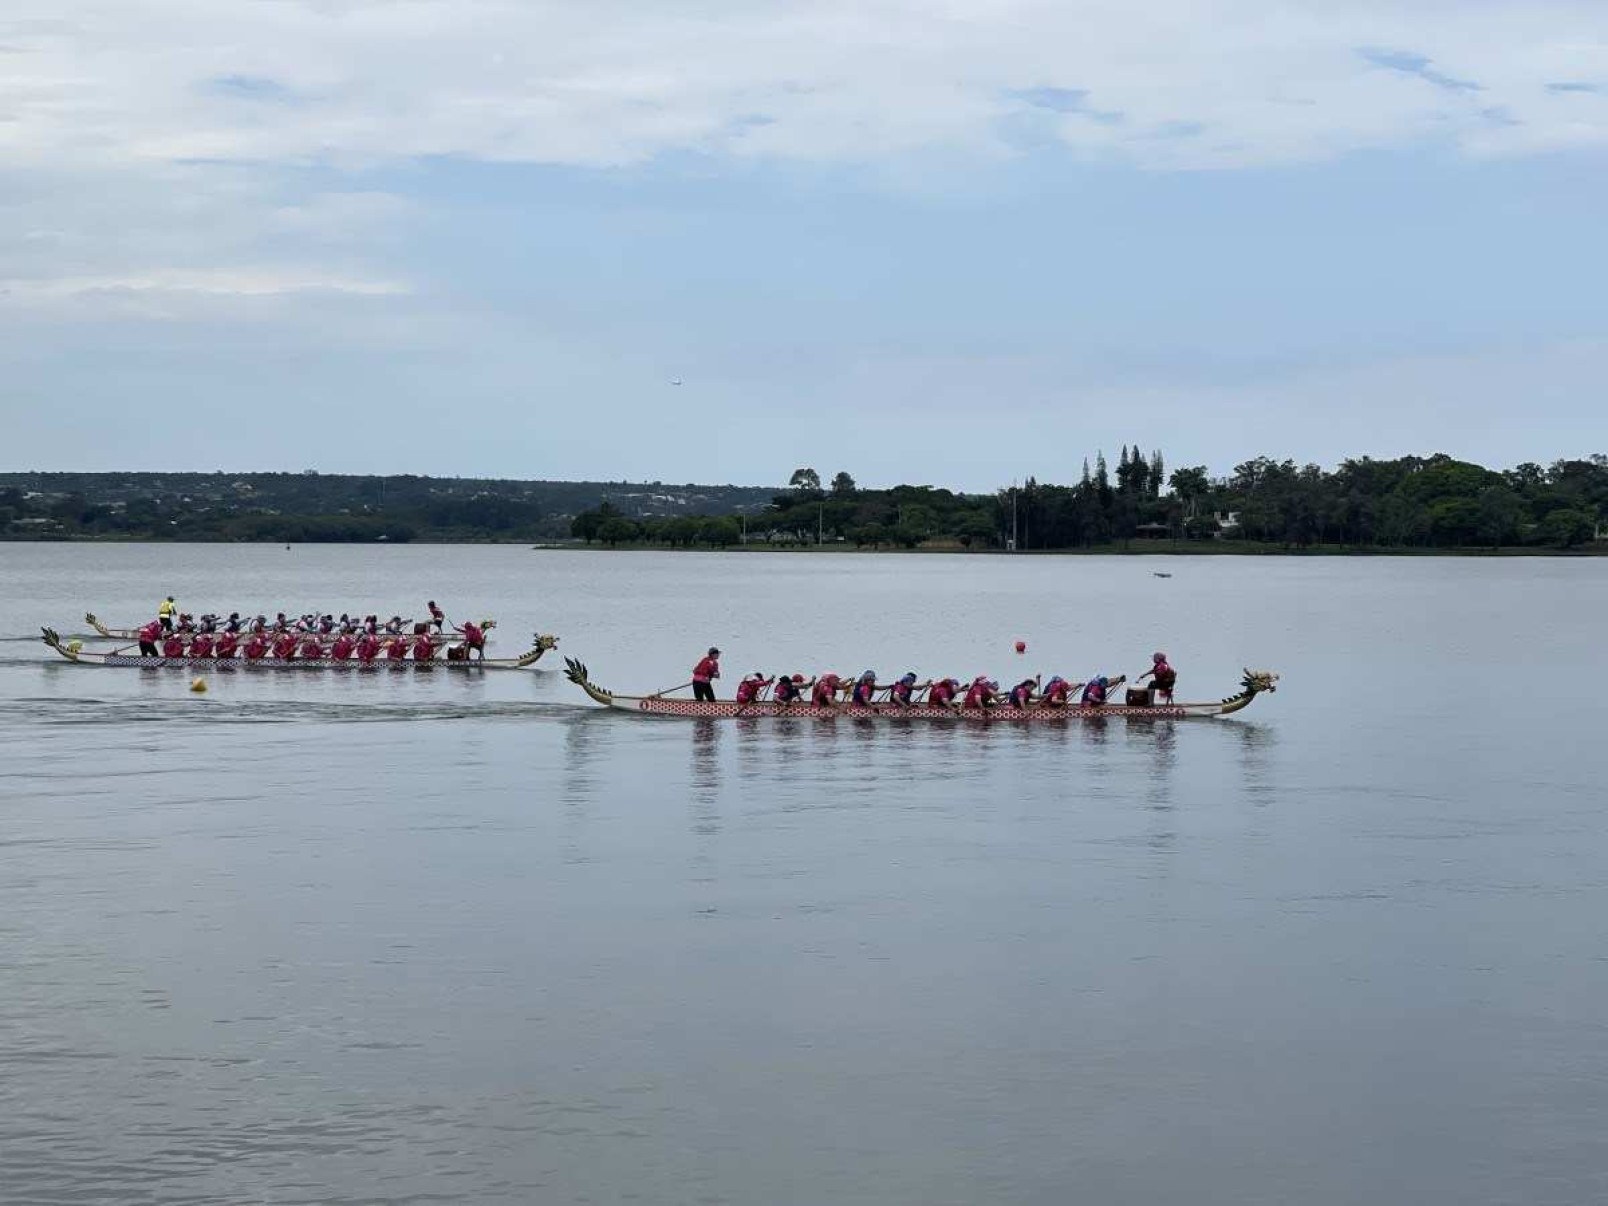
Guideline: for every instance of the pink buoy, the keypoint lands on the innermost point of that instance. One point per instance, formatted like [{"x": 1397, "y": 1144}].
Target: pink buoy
[{"x": 1021, "y": 646}]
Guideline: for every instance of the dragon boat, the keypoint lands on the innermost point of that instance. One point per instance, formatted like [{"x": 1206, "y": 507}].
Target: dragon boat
[
  {"x": 74, "y": 651},
  {"x": 1254, "y": 683},
  {"x": 133, "y": 634}
]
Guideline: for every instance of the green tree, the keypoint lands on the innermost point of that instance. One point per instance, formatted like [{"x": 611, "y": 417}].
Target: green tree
[
  {"x": 805, "y": 481},
  {"x": 1455, "y": 521},
  {"x": 1499, "y": 512},
  {"x": 842, "y": 485},
  {"x": 1190, "y": 484},
  {"x": 720, "y": 532},
  {"x": 618, "y": 530},
  {"x": 1566, "y": 528}
]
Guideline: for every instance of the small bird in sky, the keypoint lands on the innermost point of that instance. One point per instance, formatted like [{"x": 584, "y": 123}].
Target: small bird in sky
[{"x": 675, "y": 381}]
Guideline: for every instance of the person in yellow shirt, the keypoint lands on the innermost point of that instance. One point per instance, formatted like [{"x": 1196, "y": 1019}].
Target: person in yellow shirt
[{"x": 165, "y": 611}]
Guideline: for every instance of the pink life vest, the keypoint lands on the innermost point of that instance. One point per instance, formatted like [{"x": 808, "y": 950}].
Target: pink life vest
[
  {"x": 474, "y": 636},
  {"x": 227, "y": 644},
  {"x": 312, "y": 649},
  {"x": 863, "y": 692},
  {"x": 942, "y": 691},
  {"x": 748, "y": 689},
  {"x": 1021, "y": 694},
  {"x": 201, "y": 646},
  {"x": 367, "y": 648},
  {"x": 285, "y": 646},
  {"x": 173, "y": 647},
  {"x": 342, "y": 648},
  {"x": 151, "y": 631},
  {"x": 979, "y": 694},
  {"x": 423, "y": 649},
  {"x": 825, "y": 690},
  {"x": 256, "y": 647}
]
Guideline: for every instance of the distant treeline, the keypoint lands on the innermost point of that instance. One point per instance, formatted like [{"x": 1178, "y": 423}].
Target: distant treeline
[
  {"x": 1408, "y": 503},
  {"x": 304, "y": 507}
]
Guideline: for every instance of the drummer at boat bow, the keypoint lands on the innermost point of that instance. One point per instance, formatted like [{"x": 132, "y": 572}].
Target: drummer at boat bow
[
  {"x": 1166, "y": 678},
  {"x": 704, "y": 675},
  {"x": 474, "y": 638}
]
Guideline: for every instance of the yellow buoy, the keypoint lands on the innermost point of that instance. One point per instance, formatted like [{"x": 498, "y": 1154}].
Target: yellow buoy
[{"x": 198, "y": 685}]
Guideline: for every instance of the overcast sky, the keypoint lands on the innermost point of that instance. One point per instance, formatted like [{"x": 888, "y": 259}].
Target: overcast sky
[{"x": 951, "y": 242}]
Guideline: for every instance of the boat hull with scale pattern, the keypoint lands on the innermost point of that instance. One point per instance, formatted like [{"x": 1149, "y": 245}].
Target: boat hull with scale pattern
[
  {"x": 73, "y": 652},
  {"x": 1255, "y": 682}
]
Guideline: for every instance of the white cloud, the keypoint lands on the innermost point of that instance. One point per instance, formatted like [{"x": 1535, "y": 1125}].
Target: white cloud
[
  {"x": 151, "y": 150},
  {"x": 607, "y": 82},
  {"x": 263, "y": 283}
]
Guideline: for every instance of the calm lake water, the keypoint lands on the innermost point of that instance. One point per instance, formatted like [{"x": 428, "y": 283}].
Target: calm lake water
[{"x": 469, "y": 939}]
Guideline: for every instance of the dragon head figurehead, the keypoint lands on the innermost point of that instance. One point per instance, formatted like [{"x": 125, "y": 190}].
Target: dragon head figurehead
[{"x": 1257, "y": 681}]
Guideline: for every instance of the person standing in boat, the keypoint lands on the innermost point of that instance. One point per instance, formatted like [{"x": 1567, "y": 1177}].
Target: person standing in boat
[
  {"x": 148, "y": 635},
  {"x": 437, "y": 616},
  {"x": 1165, "y": 677},
  {"x": 166, "y": 611},
  {"x": 704, "y": 675}
]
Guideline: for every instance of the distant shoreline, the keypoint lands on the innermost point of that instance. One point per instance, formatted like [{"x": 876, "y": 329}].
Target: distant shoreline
[{"x": 1136, "y": 548}]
